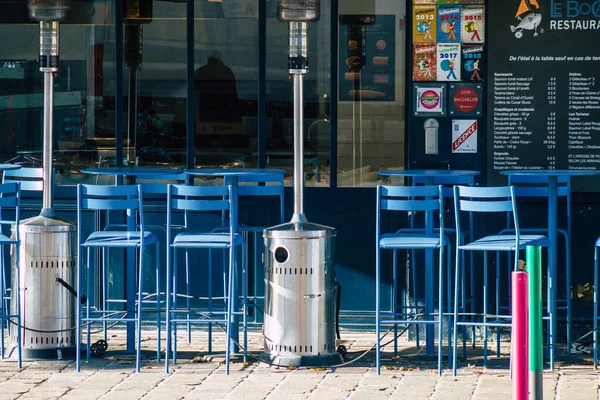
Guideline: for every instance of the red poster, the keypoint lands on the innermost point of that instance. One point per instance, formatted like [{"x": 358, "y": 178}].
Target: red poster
[{"x": 424, "y": 61}]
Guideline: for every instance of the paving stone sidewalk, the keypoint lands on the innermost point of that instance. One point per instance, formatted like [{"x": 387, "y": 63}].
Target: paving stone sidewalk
[{"x": 201, "y": 376}]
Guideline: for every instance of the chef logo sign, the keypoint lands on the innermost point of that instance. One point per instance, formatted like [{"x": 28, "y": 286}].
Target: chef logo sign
[{"x": 464, "y": 136}]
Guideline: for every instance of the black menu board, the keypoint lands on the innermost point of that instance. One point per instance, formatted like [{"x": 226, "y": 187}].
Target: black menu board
[{"x": 544, "y": 98}]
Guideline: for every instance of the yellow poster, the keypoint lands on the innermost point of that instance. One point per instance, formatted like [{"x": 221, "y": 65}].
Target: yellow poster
[
  {"x": 424, "y": 24},
  {"x": 424, "y": 1}
]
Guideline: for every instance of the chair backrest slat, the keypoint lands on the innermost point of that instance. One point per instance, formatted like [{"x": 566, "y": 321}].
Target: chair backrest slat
[
  {"x": 410, "y": 199},
  {"x": 410, "y": 205},
  {"x": 199, "y": 205},
  {"x": 485, "y": 192},
  {"x": 486, "y": 206},
  {"x": 198, "y": 191},
  {"x": 31, "y": 179},
  {"x": 109, "y": 204}
]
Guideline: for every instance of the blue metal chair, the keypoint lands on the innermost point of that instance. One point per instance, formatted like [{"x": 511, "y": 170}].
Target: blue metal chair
[
  {"x": 409, "y": 199},
  {"x": 154, "y": 191},
  {"x": 537, "y": 187},
  {"x": 113, "y": 198},
  {"x": 202, "y": 200},
  {"x": 488, "y": 200},
  {"x": 10, "y": 201},
  {"x": 447, "y": 183}
]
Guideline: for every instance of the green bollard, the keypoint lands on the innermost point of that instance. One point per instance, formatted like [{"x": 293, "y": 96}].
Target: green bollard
[{"x": 536, "y": 356}]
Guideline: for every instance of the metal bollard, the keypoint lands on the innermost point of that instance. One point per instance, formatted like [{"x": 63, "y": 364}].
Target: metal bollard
[
  {"x": 536, "y": 357},
  {"x": 519, "y": 335}
]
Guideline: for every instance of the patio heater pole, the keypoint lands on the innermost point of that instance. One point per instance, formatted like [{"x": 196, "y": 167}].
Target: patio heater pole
[{"x": 49, "y": 34}]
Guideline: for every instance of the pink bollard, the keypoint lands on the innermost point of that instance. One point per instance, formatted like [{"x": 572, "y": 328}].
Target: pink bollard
[{"x": 519, "y": 335}]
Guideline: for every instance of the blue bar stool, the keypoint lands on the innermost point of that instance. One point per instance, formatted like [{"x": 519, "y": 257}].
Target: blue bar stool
[
  {"x": 10, "y": 202},
  {"x": 113, "y": 198},
  {"x": 391, "y": 199},
  {"x": 487, "y": 200},
  {"x": 204, "y": 200},
  {"x": 529, "y": 186},
  {"x": 448, "y": 182}
]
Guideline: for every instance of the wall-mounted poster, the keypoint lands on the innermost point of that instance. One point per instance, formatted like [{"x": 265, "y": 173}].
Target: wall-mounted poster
[
  {"x": 465, "y": 99},
  {"x": 464, "y": 135},
  {"x": 448, "y": 62},
  {"x": 448, "y": 1},
  {"x": 448, "y": 24},
  {"x": 424, "y": 64},
  {"x": 429, "y": 99},
  {"x": 473, "y": 23},
  {"x": 367, "y": 57},
  {"x": 473, "y": 63},
  {"x": 472, "y": 1},
  {"x": 424, "y": 26},
  {"x": 424, "y": 1}
]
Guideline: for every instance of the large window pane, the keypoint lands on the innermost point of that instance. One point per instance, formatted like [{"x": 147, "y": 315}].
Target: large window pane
[
  {"x": 371, "y": 89},
  {"x": 84, "y": 89},
  {"x": 226, "y": 83}
]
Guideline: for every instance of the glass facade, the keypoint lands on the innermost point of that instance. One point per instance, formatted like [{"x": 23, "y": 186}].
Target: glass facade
[{"x": 122, "y": 93}]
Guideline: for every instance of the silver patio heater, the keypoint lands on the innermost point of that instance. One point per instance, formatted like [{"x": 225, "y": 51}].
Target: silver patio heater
[
  {"x": 300, "y": 293},
  {"x": 47, "y": 250}
]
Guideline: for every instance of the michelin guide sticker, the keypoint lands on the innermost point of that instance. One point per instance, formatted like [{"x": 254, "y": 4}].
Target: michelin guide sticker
[
  {"x": 424, "y": 26},
  {"x": 424, "y": 65},
  {"x": 473, "y": 23},
  {"x": 464, "y": 136},
  {"x": 448, "y": 24},
  {"x": 448, "y": 62}
]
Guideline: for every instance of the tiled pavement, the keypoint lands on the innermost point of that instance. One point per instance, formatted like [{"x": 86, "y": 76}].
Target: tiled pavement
[{"x": 198, "y": 376}]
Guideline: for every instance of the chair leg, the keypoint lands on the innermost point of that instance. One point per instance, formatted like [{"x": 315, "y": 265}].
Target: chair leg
[
  {"x": 595, "y": 307},
  {"x": 245, "y": 298},
  {"x": 169, "y": 279},
  {"x": 449, "y": 305},
  {"x": 87, "y": 308},
  {"x": 138, "y": 355},
  {"x": 175, "y": 308},
  {"x": 230, "y": 294},
  {"x": 395, "y": 297},
  {"x": 415, "y": 294},
  {"x": 455, "y": 316},
  {"x": 472, "y": 295},
  {"x": 498, "y": 301},
  {"x": 19, "y": 321},
  {"x": 210, "y": 296},
  {"x": 104, "y": 294},
  {"x": 158, "y": 323},
  {"x": 485, "y": 308},
  {"x": 441, "y": 308},
  {"x": 187, "y": 293},
  {"x": 568, "y": 290},
  {"x": 4, "y": 309},
  {"x": 78, "y": 311},
  {"x": 378, "y": 310}
]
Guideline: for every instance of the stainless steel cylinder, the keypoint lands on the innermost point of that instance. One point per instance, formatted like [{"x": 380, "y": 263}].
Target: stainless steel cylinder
[
  {"x": 298, "y": 48},
  {"x": 298, "y": 150},
  {"x": 48, "y": 10},
  {"x": 49, "y": 36},
  {"x": 300, "y": 297},
  {"x": 47, "y": 252},
  {"x": 299, "y": 10}
]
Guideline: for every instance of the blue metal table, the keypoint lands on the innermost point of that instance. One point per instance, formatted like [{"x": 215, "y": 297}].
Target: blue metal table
[
  {"x": 131, "y": 173},
  {"x": 231, "y": 176},
  {"x": 552, "y": 175},
  {"x": 429, "y": 175}
]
